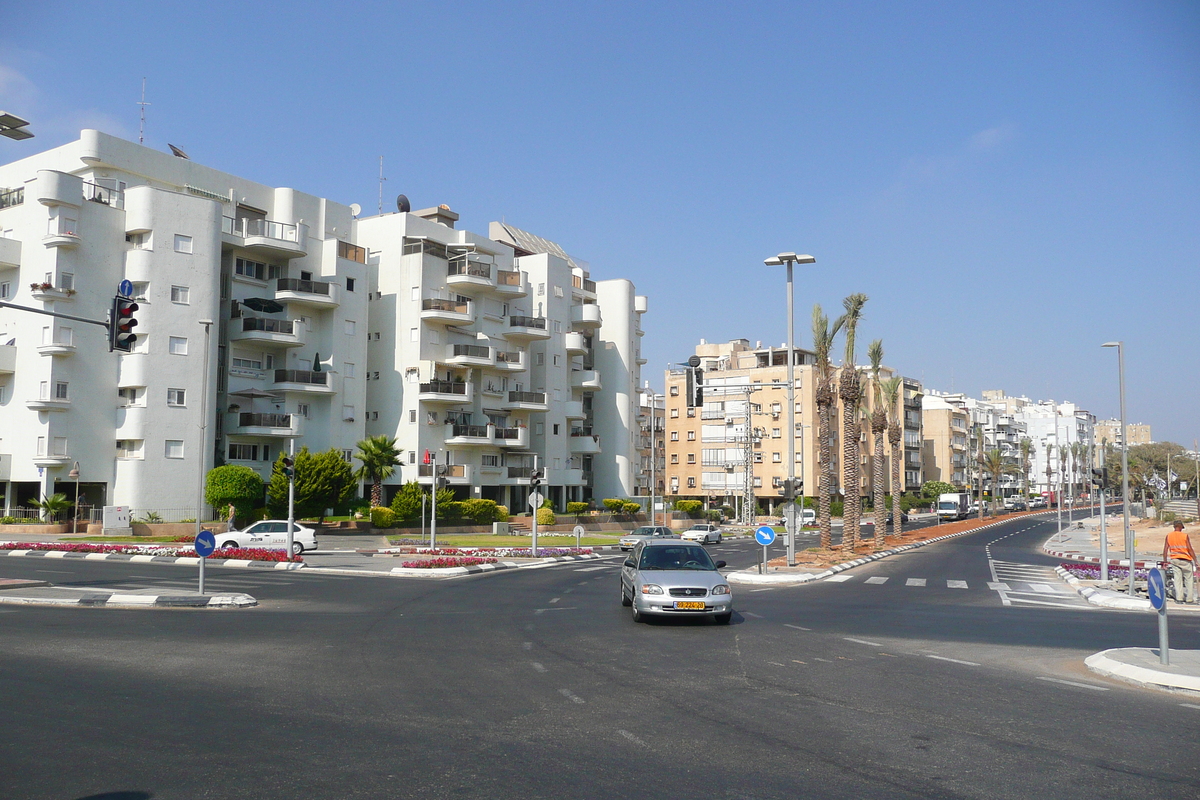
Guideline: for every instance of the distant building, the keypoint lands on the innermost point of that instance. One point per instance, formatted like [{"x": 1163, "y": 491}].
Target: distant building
[{"x": 1109, "y": 430}]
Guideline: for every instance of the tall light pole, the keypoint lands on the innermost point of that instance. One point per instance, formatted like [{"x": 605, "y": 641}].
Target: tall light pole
[
  {"x": 774, "y": 261},
  {"x": 1124, "y": 459},
  {"x": 74, "y": 475},
  {"x": 653, "y": 454},
  {"x": 207, "y": 323}
]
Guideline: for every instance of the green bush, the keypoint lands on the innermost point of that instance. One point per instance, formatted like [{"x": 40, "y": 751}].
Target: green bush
[
  {"x": 932, "y": 489},
  {"x": 383, "y": 517},
  {"x": 577, "y": 508},
  {"x": 407, "y": 502},
  {"x": 480, "y": 511},
  {"x": 630, "y": 507},
  {"x": 614, "y": 504},
  {"x": 545, "y": 516},
  {"x": 501, "y": 513},
  {"x": 9, "y": 521},
  {"x": 448, "y": 509},
  {"x": 713, "y": 515},
  {"x": 836, "y": 508},
  {"x": 234, "y": 484},
  {"x": 689, "y": 507}
]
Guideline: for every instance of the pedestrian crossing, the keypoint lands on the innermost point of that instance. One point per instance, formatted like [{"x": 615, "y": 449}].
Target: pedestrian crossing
[{"x": 1014, "y": 583}]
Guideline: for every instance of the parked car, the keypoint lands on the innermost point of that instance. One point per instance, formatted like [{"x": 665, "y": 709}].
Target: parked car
[
  {"x": 628, "y": 541},
  {"x": 702, "y": 532},
  {"x": 677, "y": 578},
  {"x": 270, "y": 534},
  {"x": 903, "y": 517},
  {"x": 807, "y": 517}
]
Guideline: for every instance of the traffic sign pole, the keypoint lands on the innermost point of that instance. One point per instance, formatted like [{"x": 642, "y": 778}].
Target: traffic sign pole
[
  {"x": 764, "y": 536},
  {"x": 1156, "y": 587},
  {"x": 204, "y": 545}
]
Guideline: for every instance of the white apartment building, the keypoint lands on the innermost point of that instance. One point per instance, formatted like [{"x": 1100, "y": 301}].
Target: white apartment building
[{"x": 310, "y": 341}]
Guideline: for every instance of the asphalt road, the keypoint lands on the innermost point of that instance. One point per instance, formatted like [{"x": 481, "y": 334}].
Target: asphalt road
[{"x": 536, "y": 683}]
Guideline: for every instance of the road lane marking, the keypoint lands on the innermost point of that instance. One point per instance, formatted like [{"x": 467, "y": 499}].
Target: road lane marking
[
  {"x": 915, "y": 582},
  {"x": 1189, "y": 705},
  {"x": 862, "y": 641},
  {"x": 877, "y": 580},
  {"x": 826, "y": 660},
  {"x": 840, "y": 578},
  {"x": 797, "y": 627},
  {"x": 997, "y": 586},
  {"x": 956, "y": 584},
  {"x": 572, "y": 697},
  {"x": 554, "y": 600},
  {"x": 752, "y": 614},
  {"x": 556, "y": 608},
  {"x": 537, "y": 666},
  {"x": 752, "y": 591},
  {"x": 952, "y": 660},
  {"x": 633, "y": 739},
  {"x": 1073, "y": 683},
  {"x": 592, "y": 569}
]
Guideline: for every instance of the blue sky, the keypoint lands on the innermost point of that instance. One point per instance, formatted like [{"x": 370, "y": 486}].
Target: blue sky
[{"x": 1012, "y": 184}]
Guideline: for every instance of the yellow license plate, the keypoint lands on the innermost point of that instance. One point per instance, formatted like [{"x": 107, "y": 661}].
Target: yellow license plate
[{"x": 689, "y": 605}]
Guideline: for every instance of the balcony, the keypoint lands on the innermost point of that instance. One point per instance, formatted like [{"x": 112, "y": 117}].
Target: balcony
[
  {"x": 519, "y": 474},
  {"x": 103, "y": 195},
  {"x": 51, "y": 461},
  {"x": 512, "y": 437},
  {"x": 448, "y": 392},
  {"x": 302, "y": 380},
  {"x": 55, "y": 188},
  {"x": 267, "y": 331},
  {"x": 351, "y": 252},
  {"x": 455, "y": 474},
  {"x": 572, "y": 476},
  {"x": 586, "y": 316},
  {"x": 584, "y": 442},
  {"x": 526, "y": 401},
  {"x": 509, "y": 360},
  {"x": 10, "y": 253},
  {"x": 469, "y": 355},
  {"x": 266, "y": 237},
  {"x": 511, "y": 283},
  {"x": 469, "y": 435},
  {"x": 576, "y": 343},
  {"x": 583, "y": 286},
  {"x": 586, "y": 379},
  {"x": 527, "y": 328},
  {"x": 253, "y": 424},
  {"x": 56, "y": 349},
  {"x": 573, "y": 409},
  {"x": 48, "y": 404},
  {"x": 48, "y": 294},
  {"x": 446, "y": 312},
  {"x": 62, "y": 232},
  {"x": 465, "y": 275},
  {"x": 316, "y": 294},
  {"x": 10, "y": 198}
]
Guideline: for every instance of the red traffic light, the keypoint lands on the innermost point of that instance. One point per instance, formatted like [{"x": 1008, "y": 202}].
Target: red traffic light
[{"x": 121, "y": 323}]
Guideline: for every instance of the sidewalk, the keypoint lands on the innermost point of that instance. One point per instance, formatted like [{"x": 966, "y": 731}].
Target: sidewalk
[
  {"x": 1140, "y": 665},
  {"x": 25, "y": 592}
]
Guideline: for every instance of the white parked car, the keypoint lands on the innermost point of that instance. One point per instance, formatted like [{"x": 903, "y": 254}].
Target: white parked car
[
  {"x": 270, "y": 534},
  {"x": 703, "y": 533}
]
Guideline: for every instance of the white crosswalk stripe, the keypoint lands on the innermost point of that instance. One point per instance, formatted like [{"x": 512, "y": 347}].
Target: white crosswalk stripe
[
  {"x": 1031, "y": 584},
  {"x": 915, "y": 582},
  {"x": 877, "y": 580},
  {"x": 956, "y": 584}
]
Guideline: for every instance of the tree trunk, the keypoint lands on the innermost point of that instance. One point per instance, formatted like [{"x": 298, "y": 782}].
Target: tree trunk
[
  {"x": 894, "y": 437},
  {"x": 824, "y": 397},
  {"x": 878, "y": 430},
  {"x": 377, "y": 494},
  {"x": 849, "y": 390}
]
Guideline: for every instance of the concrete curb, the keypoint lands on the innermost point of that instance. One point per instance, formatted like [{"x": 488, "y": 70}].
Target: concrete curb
[
  {"x": 793, "y": 579},
  {"x": 145, "y": 559},
  {"x": 451, "y": 572},
  {"x": 1074, "y": 555},
  {"x": 117, "y": 600},
  {"x": 1107, "y": 598},
  {"x": 1103, "y": 664}
]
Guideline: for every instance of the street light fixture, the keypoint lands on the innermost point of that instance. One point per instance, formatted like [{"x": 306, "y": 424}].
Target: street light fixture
[
  {"x": 13, "y": 127},
  {"x": 775, "y": 261},
  {"x": 1124, "y": 459},
  {"x": 74, "y": 475}
]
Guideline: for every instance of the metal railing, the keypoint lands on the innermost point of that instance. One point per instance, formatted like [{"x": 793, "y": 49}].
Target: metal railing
[
  {"x": 472, "y": 351},
  {"x": 520, "y": 472},
  {"x": 517, "y": 321},
  {"x": 266, "y": 228},
  {"x": 527, "y": 397},
  {"x": 302, "y": 376},
  {"x": 12, "y": 197},
  {"x": 105, "y": 195},
  {"x": 451, "y": 470},
  {"x": 470, "y": 431},
  {"x": 506, "y": 434},
  {"x": 508, "y": 357},
  {"x": 474, "y": 269},
  {"x": 267, "y": 325},
  {"x": 444, "y": 387},
  {"x": 583, "y": 283},
  {"x": 440, "y": 304},
  {"x": 248, "y": 419},
  {"x": 300, "y": 285}
]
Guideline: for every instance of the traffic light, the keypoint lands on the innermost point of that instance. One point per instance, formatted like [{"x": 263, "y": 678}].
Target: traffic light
[
  {"x": 1100, "y": 476},
  {"x": 790, "y": 490},
  {"x": 535, "y": 477},
  {"x": 121, "y": 324},
  {"x": 289, "y": 467},
  {"x": 699, "y": 386},
  {"x": 440, "y": 480}
]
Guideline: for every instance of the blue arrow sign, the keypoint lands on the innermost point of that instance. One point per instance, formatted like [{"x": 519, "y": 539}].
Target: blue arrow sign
[
  {"x": 125, "y": 288},
  {"x": 205, "y": 544},
  {"x": 1156, "y": 588},
  {"x": 765, "y": 535}
]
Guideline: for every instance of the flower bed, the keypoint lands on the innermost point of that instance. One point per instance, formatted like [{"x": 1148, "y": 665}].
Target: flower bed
[
  {"x": 1091, "y": 572},
  {"x": 443, "y": 562},
  {"x": 500, "y": 552},
  {"x": 238, "y": 553}
]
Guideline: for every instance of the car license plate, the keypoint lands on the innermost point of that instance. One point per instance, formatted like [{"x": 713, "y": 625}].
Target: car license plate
[{"x": 689, "y": 605}]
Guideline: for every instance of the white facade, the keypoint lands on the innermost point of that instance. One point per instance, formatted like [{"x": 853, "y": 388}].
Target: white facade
[{"x": 285, "y": 279}]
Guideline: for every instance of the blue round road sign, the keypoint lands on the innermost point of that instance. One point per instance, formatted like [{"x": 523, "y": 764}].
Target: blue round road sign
[
  {"x": 765, "y": 535},
  {"x": 125, "y": 288},
  {"x": 1156, "y": 588},
  {"x": 205, "y": 544}
]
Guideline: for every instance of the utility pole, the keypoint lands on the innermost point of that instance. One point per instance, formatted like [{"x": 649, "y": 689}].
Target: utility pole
[
  {"x": 142, "y": 124},
  {"x": 1103, "y": 521}
]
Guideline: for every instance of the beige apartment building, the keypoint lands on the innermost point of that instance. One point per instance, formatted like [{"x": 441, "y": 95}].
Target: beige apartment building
[
  {"x": 945, "y": 447},
  {"x": 1110, "y": 430},
  {"x": 737, "y": 434}
]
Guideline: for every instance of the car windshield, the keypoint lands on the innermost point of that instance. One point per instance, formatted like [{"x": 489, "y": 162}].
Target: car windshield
[
  {"x": 643, "y": 531},
  {"x": 677, "y": 557},
  {"x": 947, "y": 505}
]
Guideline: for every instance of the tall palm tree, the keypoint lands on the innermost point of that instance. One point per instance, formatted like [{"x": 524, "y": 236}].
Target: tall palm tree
[
  {"x": 879, "y": 421},
  {"x": 1078, "y": 462},
  {"x": 1027, "y": 448},
  {"x": 891, "y": 398},
  {"x": 995, "y": 464},
  {"x": 379, "y": 458},
  {"x": 823, "y": 336},
  {"x": 1064, "y": 453},
  {"x": 850, "y": 392}
]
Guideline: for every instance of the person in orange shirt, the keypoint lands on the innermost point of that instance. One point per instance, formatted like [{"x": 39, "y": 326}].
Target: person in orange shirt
[{"x": 1179, "y": 555}]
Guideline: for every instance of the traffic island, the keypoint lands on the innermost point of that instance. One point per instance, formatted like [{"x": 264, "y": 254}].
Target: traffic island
[
  {"x": 1141, "y": 666},
  {"x": 47, "y": 594}
]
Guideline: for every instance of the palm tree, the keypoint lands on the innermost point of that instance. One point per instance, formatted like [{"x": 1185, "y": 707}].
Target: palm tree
[
  {"x": 891, "y": 398},
  {"x": 379, "y": 458},
  {"x": 995, "y": 464},
  {"x": 879, "y": 421},
  {"x": 52, "y": 506},
  {"x": 1027, "y": 448},
  {"x": 850, "y": 392},
  {"x": 823, "y": 337},
  {"x": 1063, "y": 461},
  {"x": 1078, "y": 463}
]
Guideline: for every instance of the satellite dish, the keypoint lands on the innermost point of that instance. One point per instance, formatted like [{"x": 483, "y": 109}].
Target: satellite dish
[
  {"x": 176, "y": 151},
  {"x": 355, "y": 209},
  {"x": 694, "y": 361},
  {"x": 402, "y": 204}
]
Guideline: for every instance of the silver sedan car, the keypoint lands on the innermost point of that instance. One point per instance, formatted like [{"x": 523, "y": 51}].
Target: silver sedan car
[
  {"x": 629, "y": 540},
  {"x": 674, "y": 578}
]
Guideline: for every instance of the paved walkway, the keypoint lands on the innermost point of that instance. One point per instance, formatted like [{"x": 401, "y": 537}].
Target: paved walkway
[{"x": 1143, "y": 666}]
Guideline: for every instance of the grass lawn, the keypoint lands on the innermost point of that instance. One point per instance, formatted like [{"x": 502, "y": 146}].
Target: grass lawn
[{"x": 487, "y": 540}]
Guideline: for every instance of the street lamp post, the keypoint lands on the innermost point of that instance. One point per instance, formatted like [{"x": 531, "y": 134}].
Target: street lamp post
[
  {"x": 774, "y": 261},
  {"x": 202, "y": 449},
  {"x": 1124, "y": 459},
  {"x": 74, "y": 475}
]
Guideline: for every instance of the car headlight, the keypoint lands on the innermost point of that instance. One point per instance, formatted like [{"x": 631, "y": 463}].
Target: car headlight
[
  {"x": 721, "y": 589},
  {"x": 650, "y": 588}
]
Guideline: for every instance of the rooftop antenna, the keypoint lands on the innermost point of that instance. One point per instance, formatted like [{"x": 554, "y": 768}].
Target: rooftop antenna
[
  {"x": 142, "y": 125},
  {"x": 381, "y": 180}
]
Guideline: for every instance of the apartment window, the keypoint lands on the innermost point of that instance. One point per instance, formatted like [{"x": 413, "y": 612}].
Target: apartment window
[
  {"x": 775, "y": 433},
  {"x": 758, "y": 458},
  {"x": 129, "y": 394},
  {"x": 302, "y": 410},
  {"x": 776, "y": 458},
  {"x": 374, "y": 415},
  {"x": 674, "y": 458},
  {"x": 175, "y": 397},
  {"x": 243, "y": 452},
  {"x": 139, "y": 241},
  {"x": 674, "y": 413},
  {"x": 350, "y": 326},
  {"x": 541, "y": 289},
  {"x": 180, "y": 294},
  {"x": 691, "y": 483},
  {"x": 5, "y": 290},
  {"x": 66, "y": 280},
  {"x": 431, "y": 417},
  {"x": 173, "y": 448},
  {"x": 539, "y": 428},
  {"x": 129, "y": 448},
  {"x": 691, "y": 412},
  {"x": 140, "y": 289},
  {"x": 674, "y": 436},
  {"x": 349, "y": 284},
  {"x": 412, "y": 415},
  {"x": 691, "y": 436},
  {"x": 183, "y": 244},
  {"x": 250, "y": 269},
  {"x": 348, "y": 455},
  {"x": 60, "y": 390},
  {"x": 246, "y": 363},
  {"x": 435, "y": 337},
  {"x": 556, "y": 429},
  {"x": 691, "y": 458},
  {"x": 541, "y": 359},
  {"x": 177, "y": 345},
  {"x": 556, "y": 359},
  {"x": 414, "y": 334},
  {"x": 674, "y": 391},
  {"x": 412, "y": 456},
  {"x": 58, "y": 446},
  {"x": 349, "y": 370}
]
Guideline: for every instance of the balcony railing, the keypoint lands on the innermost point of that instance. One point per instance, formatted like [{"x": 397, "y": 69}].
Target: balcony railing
[
  {"x": 254, "y": 420},
  {"x": 527, "y": 397},
  {"x": 516, "y": 321},
  {"x": 105, "y": 195},
  {"x": 267, "y": 325},
  {"x": 581, "y": 431},
  {"x": 352, "y": 252},
  {"x": 583, "y": 283},
  {"x": 302, "y": 376},
  {"x": 266, "y": 228},
  {"x": 444, "y": 387},
  {"x": 520, "y": 472},
  {"x": 718, "y": 414},
  {"x": 506, "y": 277},
  {"x": 451, "y": 470},
  {"x": 299, "y": 285},
  {"x": 473, "y": 268},
  {"x": 439, "y": 304},
  {"x": 508, "y": 357},
  {"x": 508, "y": 433},
  {"x": 471, "y": 431},
  {"x": 12, "y": 197},
  {"x": 472, "y": 351}
]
